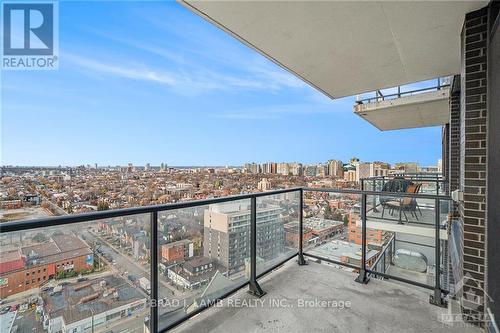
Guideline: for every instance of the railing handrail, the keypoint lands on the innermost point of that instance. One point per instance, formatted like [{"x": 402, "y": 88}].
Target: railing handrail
[
  {"x": 107, "y": 214},
  {"x": 400, "y": 94},
  {"x": 414, "y": 177},
  {"x": 383, "y": 193}
]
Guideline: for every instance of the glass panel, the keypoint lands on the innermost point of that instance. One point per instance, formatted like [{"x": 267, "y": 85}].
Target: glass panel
[
  {"x": 277, "y": 228},
  {"x": 409, "y": 224},
  {"x": 85, "y": 276},
  {"x": 203, "y": 253},
  {"x": 331, "y": 223}
]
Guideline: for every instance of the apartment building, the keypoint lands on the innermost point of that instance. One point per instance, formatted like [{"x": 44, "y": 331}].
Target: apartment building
[{"x": 227, "y": 230}]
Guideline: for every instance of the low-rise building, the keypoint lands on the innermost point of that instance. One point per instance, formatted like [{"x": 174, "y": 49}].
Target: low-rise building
[
  {"x": 89, "y": 306},
  {"x": 177, "y": 251},
  {"x": 292, "y": 235},
  {"x": 323, "y": 229},
  {"x": 193, "y": 273},
  {"x": 345, "y": 252},
  {"x": 31, "y": 266}
]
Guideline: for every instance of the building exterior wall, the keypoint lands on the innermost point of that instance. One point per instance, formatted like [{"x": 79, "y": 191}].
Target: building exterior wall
[
  {"x": 35, "y": 276},
  {"x": 493, "y": 194},
  {"x": 473, "y": 159},
  {"x": 454, "y": 141},
  {"x": 226, "y": 236}
]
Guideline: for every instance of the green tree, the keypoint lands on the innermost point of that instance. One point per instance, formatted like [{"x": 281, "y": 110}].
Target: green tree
[{"x": 102, "y": 206}]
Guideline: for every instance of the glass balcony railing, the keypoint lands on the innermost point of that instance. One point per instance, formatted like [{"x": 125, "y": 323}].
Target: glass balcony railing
[
  {"x": 155, "y": 267},
  {"x": 429, "y": 183}
]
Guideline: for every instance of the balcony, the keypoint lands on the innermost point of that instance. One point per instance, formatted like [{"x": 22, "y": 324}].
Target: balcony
[
  {"x": 289, "y": 306},
  {"x": 409, "y": 108},
  {"x": 103, "y": 285}
]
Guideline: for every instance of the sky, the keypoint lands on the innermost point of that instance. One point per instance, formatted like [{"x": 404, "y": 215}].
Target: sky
[{"x": 150, "y": 82}]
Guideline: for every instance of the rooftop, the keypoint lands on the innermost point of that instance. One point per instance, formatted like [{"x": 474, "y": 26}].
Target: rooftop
[
  {"x": 68, "y": 303},
  {"x": 60, "y": 247},
  {"x": 376, "y": 307},
  {"x": 320, "y": 224},
  {"x": 337, "y": 249}
]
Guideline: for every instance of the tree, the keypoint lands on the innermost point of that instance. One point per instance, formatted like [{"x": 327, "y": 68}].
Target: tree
[
  {"x": 346, "y": 220},
  {"x": 328, "y": 213},
  {"x": 102, "y": 206}
]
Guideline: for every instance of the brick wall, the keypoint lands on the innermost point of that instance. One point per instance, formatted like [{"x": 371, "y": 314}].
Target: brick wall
[
  {"x": 454, "y": 141},
  {"x": 473, "y": 158}
]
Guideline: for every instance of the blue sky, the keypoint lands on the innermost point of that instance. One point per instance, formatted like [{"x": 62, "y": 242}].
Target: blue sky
[{"x": 151, "y": 82}]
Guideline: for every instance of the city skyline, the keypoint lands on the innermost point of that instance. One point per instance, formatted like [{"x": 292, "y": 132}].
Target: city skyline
[{"x": 174, "y": 88}]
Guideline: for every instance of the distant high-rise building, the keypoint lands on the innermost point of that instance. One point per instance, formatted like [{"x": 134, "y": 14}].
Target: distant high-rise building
[
  {"x": 321, "y": 170},
  {"x": 130, "y": 167},
  {"x": 147, "y": 167},
  {"x": 440, "y": 165},
  {"x": 226, "y": 236},
  {"x": 310, "y": 171},
  {"x": 295, "y": 169},
  {"x": 283, "y": 169},
  {"x": 335, "y": 168},
  {"x": 368, "y": 170},
  {"x": 407, "y": 167},
  {"x": 264, "y": 185},
  {"x": 350, "y": 175}
]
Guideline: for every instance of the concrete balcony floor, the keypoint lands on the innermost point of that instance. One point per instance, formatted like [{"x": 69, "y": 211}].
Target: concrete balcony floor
[{"x": 379, "y": 306}]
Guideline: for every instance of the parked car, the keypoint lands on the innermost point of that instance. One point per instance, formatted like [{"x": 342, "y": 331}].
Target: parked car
[
  {"x": 5, "y": 309},
  {"x": 14, "y": 308}
]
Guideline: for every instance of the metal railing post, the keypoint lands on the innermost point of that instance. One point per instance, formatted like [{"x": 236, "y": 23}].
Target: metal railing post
[
  {"x": 153, "y": 318},
  {"x": 254, "y": 287},
  {"x": 363, "y": 276},
  {"x": 437, "y": 297},
  {"x": 374, "y": 203},
  {"x": 300, "y": 258}
]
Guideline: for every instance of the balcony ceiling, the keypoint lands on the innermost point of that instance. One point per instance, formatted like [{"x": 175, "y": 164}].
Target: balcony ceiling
[{"x": 345, "y": 48}]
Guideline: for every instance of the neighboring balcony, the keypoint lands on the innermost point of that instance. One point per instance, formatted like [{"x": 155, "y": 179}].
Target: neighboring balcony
[
  {"x": 153, "y": 268},
  {"x": 399, "y": 109}
]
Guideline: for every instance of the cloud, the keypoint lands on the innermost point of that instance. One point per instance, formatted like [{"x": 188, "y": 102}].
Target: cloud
[
  {"x": 275, "y": 112},
  {"x": 186, "y": 80},
  {"x": 197, "y": 61}
]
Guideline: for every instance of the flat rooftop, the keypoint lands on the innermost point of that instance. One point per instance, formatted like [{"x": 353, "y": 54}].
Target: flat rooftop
[
  {"x": 379, "y": 306},
  {"x": 68, "y": 302},
  {"x": 60, "y": 247},
  {"x": 336, "y": 249},
  {"x": 317, "y": 223}
]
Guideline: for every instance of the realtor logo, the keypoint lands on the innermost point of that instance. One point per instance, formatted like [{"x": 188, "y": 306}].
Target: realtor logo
[{"x": 29, "y": 35}]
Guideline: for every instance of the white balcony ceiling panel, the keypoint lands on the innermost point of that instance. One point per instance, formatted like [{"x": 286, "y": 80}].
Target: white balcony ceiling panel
[{"x": 344, "y": 48}]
